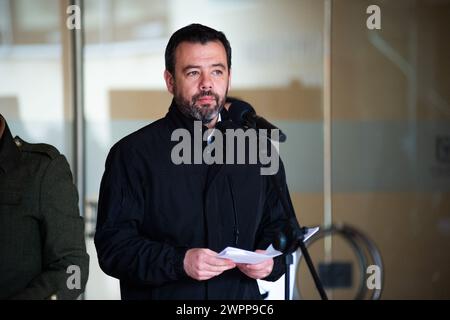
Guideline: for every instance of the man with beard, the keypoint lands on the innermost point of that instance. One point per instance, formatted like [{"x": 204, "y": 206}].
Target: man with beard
[{"x": 161, "y": 225}]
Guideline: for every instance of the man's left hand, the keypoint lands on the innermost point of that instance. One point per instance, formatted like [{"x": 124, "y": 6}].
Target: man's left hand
[{"x": 259, "y": 270}]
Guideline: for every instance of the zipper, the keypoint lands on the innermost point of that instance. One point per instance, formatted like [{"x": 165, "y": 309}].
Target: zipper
[{"x": 236, "y": 223}]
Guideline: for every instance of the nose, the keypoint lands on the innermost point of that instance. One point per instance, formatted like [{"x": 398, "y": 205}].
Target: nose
[{"x": 205, "y": 82}]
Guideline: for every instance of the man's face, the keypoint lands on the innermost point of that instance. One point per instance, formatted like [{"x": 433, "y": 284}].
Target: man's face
[{"x": 201, "y": 79}]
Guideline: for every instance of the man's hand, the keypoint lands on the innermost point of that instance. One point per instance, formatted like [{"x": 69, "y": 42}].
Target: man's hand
[
  {"x": 259, "y": 270},
  {"x": 203, "y": 264}
]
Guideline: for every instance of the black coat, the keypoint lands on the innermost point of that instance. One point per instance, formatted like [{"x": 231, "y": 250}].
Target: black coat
[{"x": 152, "y": 211}]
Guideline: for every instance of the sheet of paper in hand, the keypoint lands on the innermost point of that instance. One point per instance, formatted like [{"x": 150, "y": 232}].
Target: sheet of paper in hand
[{"x": 249, "y": 257}]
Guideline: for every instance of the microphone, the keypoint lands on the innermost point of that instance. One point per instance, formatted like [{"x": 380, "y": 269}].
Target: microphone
[
  {"x": 244, "y": 114},
  {"x": 288, "y": 238}
]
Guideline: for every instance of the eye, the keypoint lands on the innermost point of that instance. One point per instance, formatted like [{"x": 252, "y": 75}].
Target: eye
[
  {"x": 217, "y": 72},
  {"x": 193, "y": 73}
]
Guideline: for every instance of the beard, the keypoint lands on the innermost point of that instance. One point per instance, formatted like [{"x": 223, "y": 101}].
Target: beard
[{"x": 203, "y": 112}]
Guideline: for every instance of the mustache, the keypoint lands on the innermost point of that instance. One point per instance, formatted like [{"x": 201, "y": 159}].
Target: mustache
[{"x": 204, "y": 94}]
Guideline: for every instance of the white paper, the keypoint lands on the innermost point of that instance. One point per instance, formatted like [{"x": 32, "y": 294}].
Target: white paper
[
  {"x": 310, "y": 233},
  {"x": 249, "y": 257},
  {"x": 244, "y": 256}
]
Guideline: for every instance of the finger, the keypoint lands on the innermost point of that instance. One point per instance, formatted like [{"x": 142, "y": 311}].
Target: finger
[
  {"x": 255, "y": 274},
  {"x": 213, "y": 254},
  {"x": 214, "y": 261},
  {"x": 216, "y": 266},
  {"x": 217, "y": 269},
  {"x": 257, "y": 267},
  {"x": 204, "y": 271},
  {"x": 210, "y": 257}
]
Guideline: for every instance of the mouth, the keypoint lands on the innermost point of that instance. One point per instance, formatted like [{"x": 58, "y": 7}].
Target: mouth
[{"x": 206, "y": 99}]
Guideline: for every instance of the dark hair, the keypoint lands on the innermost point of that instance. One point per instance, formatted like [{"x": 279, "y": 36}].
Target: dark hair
[{"x": 194, "y": 33}]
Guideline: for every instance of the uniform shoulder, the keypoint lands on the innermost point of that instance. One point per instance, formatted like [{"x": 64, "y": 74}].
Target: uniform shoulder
[{"x": 39, "y": 148}]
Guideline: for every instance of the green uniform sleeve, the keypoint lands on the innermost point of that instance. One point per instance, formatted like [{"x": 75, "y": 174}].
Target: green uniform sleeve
[{"x": 65, "y": 263}]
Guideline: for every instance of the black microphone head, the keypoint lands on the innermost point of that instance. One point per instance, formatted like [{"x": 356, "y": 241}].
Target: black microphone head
[
  {"x": 280, "y": 242},
  {"x": 243, "y": 114},
  {"x": 287, "y": 239},
  {"x": 238, "y": 109}
]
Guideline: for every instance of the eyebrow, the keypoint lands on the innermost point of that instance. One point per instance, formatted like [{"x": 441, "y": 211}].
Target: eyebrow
[
  {"x": 220, "y": 65},
  {"x": 191, "y": 66}
]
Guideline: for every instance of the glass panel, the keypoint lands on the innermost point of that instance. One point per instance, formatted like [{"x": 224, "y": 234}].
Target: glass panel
[
  {"x": 31, "y": 73},
  {"x": 391, "y": 129}
]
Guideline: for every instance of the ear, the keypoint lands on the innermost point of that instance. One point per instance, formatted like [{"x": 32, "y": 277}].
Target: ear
[
  {"x": 2, "y": 126},
  {"x": 169, "y": 81}
]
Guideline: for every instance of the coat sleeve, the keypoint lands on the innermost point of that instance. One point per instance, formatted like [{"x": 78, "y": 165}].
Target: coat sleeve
[
  {"x": 274, "y": 220},
  {"x": 123, "y": 251},
  {"x": 65, "y": 263}
]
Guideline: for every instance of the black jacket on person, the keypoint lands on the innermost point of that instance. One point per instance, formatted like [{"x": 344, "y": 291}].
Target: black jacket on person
[
  {"x": 152, "y": 211},
  {"x": 42, "y": 247}
]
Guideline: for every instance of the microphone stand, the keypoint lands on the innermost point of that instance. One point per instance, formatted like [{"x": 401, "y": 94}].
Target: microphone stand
[
  {"x": 296, "y": 232},
  {"x": 297, "y": 235}
]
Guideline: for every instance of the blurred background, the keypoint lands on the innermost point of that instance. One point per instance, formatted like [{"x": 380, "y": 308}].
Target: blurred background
[{"x": 366, "y": 112}]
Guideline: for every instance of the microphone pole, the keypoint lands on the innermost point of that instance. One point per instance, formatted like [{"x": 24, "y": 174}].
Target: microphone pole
[{"x": 296, "y": 233}]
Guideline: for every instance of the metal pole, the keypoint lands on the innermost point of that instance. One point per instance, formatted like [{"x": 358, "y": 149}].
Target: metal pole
[
  {"x": 77, "y": 85},
  {"x": 327, "y": 134},
  {"x": 327, "y": 125}
]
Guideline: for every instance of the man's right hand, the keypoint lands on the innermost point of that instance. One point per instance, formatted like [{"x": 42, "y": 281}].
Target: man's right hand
[{"x": 203, "y": 264}]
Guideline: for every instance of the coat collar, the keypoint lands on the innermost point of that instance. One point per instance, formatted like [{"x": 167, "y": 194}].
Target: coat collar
[{"x": 9, "y": 152}]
